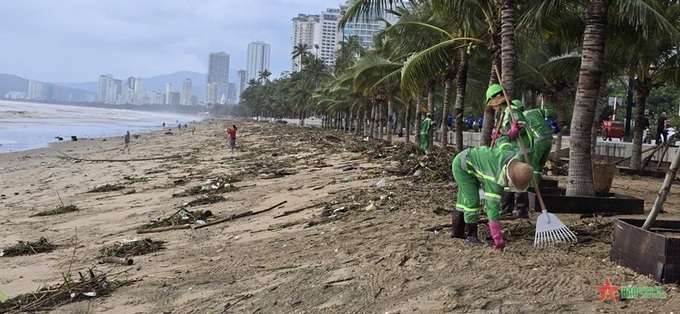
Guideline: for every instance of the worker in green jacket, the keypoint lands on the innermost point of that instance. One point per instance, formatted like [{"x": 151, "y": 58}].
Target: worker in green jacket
[
  {"x": 425, "y": 129},
  {"x": 507, "y": 139},
  {"x": 542, "y": 137},
  {"x": 493, "y": 169}
]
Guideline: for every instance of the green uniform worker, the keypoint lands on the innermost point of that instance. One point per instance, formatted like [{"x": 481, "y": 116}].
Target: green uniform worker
[
  {"x": 494, "y": 169},
  {"x": 542, "y": 138},
  {"x": 425, "y": 128},
  {"x": 507, "y": 140}
]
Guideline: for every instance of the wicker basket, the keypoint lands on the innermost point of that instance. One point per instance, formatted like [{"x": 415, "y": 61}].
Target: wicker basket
[{"x": 603, "y": 176}]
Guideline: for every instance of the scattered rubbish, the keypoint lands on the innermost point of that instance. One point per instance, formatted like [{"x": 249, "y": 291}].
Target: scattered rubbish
[
  {"x": 381, "y": 183},
  {"x": 60, "y": 209},
  {"x": 118, "y": 260},
  {"x": 90, "y": 294},
  {"x": 418, "y": 173},
  {"x": 348, "y": 179}
]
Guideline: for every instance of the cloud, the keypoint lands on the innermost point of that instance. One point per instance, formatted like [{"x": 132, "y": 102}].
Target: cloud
[{"x": 77, "y": 40}]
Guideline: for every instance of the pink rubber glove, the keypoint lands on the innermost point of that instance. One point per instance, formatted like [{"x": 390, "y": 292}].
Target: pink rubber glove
[
  {"x": 495, "y": 136},
  {"x": 498, "y": 242},
  {"x": 514, "y": 130}
]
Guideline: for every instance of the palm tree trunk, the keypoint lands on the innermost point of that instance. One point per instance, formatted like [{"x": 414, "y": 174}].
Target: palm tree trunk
[
  {"x": 508, "y": 46},
  {"x": 430, "y": 96},
  {"x": 448, "y": 90},
  {"x": 560, "y": 98},
  {"x": 366, "y": 127},
  {"x": 407, "y": 125},
  {"x": 461, "y": 81},
  {"x": 489, "y": 113},
  {"x": 372, "y": 134},
  {"x": 379, "y": 116},
  {"x": 418, "y": 121},
  {"x": 357, "y": 123},
  {"x": 642, "y": 89},
  {"x": 390, "y": 125},
  {"x": 580, "y": 178},
  {"x": 530, "y": 99},
  {"x": 594, "y": 134}
]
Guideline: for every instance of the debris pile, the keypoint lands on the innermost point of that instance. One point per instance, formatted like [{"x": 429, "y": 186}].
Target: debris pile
[
  {"x": 42, "y": 245},
  {"x": 181, "y": 217},
  {"x": 132, "y": 248},
  {"x": 50, "y": 297},
  {"x": 60, "y": 209}
]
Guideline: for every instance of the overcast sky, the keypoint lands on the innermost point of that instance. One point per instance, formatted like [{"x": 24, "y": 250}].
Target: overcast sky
[{"x": 77, "y": 40}]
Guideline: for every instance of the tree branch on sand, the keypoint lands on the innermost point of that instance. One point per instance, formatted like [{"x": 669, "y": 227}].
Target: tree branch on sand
[{"x": 122, "y": 160}]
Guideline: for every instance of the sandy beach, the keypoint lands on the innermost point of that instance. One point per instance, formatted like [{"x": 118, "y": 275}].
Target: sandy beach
[{"x": 339, "y": 243}]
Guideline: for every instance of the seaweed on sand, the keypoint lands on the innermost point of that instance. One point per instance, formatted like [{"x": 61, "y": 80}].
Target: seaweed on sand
[
  {"x": 132, "y": 248},
  {"x": 41, "y": 245}
]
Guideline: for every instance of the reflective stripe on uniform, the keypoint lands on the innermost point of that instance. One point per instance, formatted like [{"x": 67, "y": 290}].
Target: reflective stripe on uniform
[
  {"x": 466, "y": 209},
  {"x": 543, "y": 137},
  {"x": 492, "y": 197}
]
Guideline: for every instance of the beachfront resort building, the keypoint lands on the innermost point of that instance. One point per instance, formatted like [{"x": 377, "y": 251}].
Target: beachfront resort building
[
  {"x": 257, "y": 59},
  {"x": 320, "y": 33},
  {"x": 217, "y": 83}
]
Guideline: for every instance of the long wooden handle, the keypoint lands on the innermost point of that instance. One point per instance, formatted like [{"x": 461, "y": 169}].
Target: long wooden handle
[
  {"x": 521, "y": 142},
  {"x": 498, "y": 126}
]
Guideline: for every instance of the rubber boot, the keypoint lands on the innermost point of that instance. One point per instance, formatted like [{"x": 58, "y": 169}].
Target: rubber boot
[
  {"x": 522, "y": 205},
  {"x": 458, "y": 225},
  {"x": 507, "y": 204},
  {"x": 471, "y": 233}
]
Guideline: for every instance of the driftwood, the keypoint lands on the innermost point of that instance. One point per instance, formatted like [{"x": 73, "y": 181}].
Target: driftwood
[
  {"x": 122, "y": 160},
  {"x": 118, "y": 260},
  {"x": 239, "y": 215},
  {"x": 290, "y": 212},
  {"x": 161, "y": 229}
]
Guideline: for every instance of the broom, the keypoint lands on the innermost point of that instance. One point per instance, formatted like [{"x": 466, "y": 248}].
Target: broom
[{"x": 549, "y": 229}]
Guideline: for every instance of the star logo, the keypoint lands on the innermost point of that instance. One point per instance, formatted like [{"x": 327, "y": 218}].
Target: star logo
[{"x": 607, "y": 290}]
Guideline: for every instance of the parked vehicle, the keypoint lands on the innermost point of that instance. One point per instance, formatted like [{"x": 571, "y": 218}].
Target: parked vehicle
[{"x": 612, "y": 129}]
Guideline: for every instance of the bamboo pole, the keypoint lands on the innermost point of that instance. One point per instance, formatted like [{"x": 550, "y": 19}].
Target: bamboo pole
[{"x": 663, "y": 192}]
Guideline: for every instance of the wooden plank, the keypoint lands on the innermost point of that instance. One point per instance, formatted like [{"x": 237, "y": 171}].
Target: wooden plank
[
  {"x": 556, "y": 202},
  {"x": 638, "y": 249}
]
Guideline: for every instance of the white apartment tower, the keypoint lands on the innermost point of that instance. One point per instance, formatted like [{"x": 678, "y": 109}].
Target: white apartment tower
[
  {"x": 169, "y": 88},
  {"x": 319, "y": 33},
  {"x": 241, "y": 84},
  {"x": 102, "y": 87},
  {"x": 218, "y": 77},
  {"x": 186, "y": 92},
  {"x": 257, "y": 59}
]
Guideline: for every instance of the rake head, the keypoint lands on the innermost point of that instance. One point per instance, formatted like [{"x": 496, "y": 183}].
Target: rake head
[{"x": 551, "y": 231}]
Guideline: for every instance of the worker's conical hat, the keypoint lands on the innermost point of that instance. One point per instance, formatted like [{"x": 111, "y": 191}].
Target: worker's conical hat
[{"x": 520, "y": 175}]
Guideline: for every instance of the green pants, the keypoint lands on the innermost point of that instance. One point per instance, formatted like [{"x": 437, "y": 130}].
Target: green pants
[
  {"x": 540, "y": 157},
  {"x": 425, "y": 141},
  {"x": 467, "y": 199}
]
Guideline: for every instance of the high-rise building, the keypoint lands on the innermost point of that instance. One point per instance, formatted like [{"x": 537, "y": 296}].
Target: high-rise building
[
  {"x": 169, "y": 89},
  {"x": 365, "y": 28},
  {"x": 240, "y": 84},
  {"x": 257, "y": 59},
  {"x": 218, "y": 75},
  {"x": 139, "y": 93},
  {"x": 319, "y": 33},
  {"x": 186, "y": 92},
  {"x": 102, "y": 88}
]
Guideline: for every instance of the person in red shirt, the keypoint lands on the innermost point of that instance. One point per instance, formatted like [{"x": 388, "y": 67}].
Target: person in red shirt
[{"x": 232, "y": 137}]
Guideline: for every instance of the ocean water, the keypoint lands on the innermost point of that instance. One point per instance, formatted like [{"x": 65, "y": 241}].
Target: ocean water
[{"x": 26, "y": 126}]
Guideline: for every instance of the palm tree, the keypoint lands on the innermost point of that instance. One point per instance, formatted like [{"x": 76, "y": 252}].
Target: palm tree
[
  {"x": 580, "y": 180},
  {"x": 300, "y": 51},
  {"x": 263, "y": 76}
]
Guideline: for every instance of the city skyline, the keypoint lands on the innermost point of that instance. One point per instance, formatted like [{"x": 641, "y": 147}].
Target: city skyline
[{"x": 108, "y": 37}]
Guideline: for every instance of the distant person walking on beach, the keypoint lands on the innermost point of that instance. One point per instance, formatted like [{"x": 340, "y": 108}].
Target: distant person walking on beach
[
  {"x": 127, "y": 143},
  {"x": 193, "y": 129},
  {"x": 232, "y": 137}
]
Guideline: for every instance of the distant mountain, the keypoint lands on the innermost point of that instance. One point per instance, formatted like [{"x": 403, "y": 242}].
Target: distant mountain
[{"x": 10, "y": 82}]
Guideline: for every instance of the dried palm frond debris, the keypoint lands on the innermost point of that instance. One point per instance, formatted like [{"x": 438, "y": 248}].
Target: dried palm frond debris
[
  {"x": 41, "y": 245},
  {"x": 49, "y": 297},
  {"x": 132, "y": 248}
]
